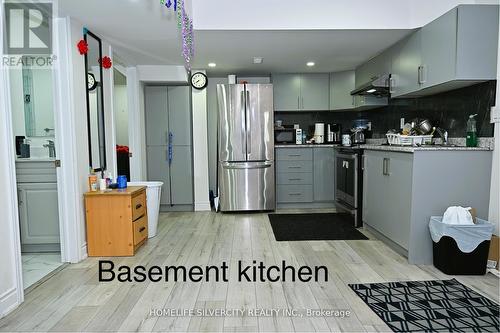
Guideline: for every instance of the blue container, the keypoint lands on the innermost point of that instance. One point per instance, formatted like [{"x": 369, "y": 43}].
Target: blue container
[{"x": 122, "y": 181}]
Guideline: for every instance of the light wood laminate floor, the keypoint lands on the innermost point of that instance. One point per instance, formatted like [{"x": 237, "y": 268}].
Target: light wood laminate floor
[{"x": 74, "y": 300}]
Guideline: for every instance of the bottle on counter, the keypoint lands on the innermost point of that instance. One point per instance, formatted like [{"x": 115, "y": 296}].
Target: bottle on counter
[{"x": 471, "y": 137}]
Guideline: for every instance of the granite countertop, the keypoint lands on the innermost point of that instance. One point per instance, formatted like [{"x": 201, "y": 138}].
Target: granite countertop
[
  {"x": 307, "y": 145},
  {"x": 412, "y": 149}
]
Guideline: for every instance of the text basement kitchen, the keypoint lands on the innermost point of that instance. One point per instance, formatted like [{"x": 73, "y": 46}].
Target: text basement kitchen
[{"x": 256, "y": 272}]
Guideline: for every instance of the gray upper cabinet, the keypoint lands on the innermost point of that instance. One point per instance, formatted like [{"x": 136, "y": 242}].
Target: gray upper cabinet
[
  {"x": 377, "y": 66},
  {"x": 156, "y": 118},
  {"x": 439, "y": 46},
  {"x": 341, "y": 85},
  {"x": 315, "y": 92},
  {"x": 324, "y": 174},
  {"x": 455, "y": 50},
  {"x": 286, "y": 89},
  {"x": 406, "y": 65},
  {"x": 301, "y": 92},
  {"x": 179, "y": 115}
]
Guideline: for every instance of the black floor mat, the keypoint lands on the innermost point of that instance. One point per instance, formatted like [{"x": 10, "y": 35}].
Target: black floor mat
[
  {"x": 324, "y": 226},
  {"x": 430, "y": 306}
]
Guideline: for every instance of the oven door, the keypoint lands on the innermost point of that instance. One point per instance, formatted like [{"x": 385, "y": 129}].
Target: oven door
[{"x": 346, "y": 178}]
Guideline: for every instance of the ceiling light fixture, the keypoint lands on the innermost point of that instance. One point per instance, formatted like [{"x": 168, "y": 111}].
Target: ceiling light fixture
[
  {"x": 371, "y": 91},
  {"x": 258, "y": 60},
  {"x": 212, "y": 64},
  {"x": 310, "y": 63}
]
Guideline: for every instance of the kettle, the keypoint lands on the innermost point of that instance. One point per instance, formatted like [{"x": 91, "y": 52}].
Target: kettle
[{"x": 358, "y": 136}]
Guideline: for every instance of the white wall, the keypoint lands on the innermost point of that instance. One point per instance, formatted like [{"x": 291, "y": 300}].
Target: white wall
[{"x": 320, "y": 14}]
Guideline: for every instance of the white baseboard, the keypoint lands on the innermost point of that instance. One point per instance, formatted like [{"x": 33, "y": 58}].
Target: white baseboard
[
  {"x": 202, "y": 206},
  {"x": 83, "y": 252},
  {"x": 8, "y": 302}
]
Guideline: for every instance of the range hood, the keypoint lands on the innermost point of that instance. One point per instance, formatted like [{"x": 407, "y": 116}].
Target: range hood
[{"x": 378, "y": 86}]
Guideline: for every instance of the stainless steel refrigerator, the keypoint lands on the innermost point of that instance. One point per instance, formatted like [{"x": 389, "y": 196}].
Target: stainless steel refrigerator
[{"x": 246, "y": 147}]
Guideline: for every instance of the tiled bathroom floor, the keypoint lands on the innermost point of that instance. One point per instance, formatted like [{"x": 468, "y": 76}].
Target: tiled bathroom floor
[{"x": 38, "y": 265}]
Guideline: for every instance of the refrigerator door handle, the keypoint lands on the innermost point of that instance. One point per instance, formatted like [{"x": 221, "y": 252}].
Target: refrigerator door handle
[
  {"x": 243, "y": 124},
  {"x": 249, "y": 123},
  {"x": 245, "y": 165}
]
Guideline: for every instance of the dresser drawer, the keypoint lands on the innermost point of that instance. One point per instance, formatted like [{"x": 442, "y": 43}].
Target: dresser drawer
[
  {"x": 294, "y": 166},
  {"x": 294, "y": 178},
  {"x": 138, "y": 205},
  {"x": 294, "y": 154},
  {"x": 140, "y": 229},
  {"x": 294, "y": 193}
]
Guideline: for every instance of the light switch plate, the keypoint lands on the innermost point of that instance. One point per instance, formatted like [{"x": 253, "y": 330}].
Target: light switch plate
[
  {"x": 495, "y": 114},
  {"x": 402, "y": 123}
]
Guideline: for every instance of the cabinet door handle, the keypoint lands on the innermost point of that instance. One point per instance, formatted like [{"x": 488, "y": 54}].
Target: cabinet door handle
[
  {"x": 385, "y": 167},
  {"x": 142, "y": 229},
  {"x": 422, "y": 74},
  {"x": 138, "y": 206},
  {"x": 298, "y": 102},
  {"x": 363, "y": 162},
  {"x": 392, "y": 84},
  {"x": 302, "y": 102}
]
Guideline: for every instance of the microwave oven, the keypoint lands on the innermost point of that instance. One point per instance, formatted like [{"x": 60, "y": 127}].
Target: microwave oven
[{"x": 284, "y": 135}]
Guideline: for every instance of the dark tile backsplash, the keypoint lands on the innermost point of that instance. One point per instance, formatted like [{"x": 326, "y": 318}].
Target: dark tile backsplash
[{"x": 449, "y": 110}]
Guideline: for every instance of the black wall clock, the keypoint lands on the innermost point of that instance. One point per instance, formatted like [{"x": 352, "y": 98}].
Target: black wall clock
[{"x": 199, "y": 80}]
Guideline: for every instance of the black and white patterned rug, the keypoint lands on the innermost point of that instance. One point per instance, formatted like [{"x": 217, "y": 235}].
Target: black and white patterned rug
[{"x": 431, "y": 306}]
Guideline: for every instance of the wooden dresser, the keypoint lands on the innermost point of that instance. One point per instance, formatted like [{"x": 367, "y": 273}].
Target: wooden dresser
[{"x": 117, "y": 222}]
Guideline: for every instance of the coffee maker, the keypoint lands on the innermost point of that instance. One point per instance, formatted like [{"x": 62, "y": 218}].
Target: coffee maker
[{"x": 334, "y": 133}]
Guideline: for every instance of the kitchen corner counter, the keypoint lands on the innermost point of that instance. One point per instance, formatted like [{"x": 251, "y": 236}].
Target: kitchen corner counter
[
  {"x": 412, "y": 149},
  {"x": 307, "y": 145}
]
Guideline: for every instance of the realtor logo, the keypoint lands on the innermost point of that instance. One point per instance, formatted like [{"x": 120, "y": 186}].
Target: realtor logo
[{"x": 28, "y": 27}]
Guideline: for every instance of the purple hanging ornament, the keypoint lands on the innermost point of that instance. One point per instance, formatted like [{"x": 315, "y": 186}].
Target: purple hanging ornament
[{"x": 168, "y": 3}]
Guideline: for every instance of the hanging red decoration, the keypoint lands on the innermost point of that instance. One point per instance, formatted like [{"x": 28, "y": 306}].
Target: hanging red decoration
[
  {"x": 106, "y": 62},
  {"x": 83, "y": 47}
]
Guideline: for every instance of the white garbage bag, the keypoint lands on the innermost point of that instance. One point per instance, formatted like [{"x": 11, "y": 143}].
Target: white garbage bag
[
  {"x": 457, "y": 215},
  {"x": 467, "y": 236}
]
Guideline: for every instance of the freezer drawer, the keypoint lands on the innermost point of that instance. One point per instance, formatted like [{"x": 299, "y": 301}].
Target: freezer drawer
[{"x": 247, "y": 186}]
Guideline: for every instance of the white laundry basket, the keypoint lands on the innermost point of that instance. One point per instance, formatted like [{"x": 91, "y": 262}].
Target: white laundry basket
[{"x": 153, "y": 196}]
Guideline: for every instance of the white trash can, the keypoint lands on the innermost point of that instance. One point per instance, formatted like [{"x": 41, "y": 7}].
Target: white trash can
[{"x": 153, "y": 195}]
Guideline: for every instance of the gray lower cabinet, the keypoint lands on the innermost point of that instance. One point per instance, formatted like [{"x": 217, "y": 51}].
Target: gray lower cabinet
[
  {"x": 401, "y": 191},
  {"x": 38, "y": 213},
  {"x": 387, "y": 182},
  {"x": 168, "y": 144},
  {"x": 38, "y": 206},
  {"x": 305, "y": 177},
  {"x": 324, "y": 174}
]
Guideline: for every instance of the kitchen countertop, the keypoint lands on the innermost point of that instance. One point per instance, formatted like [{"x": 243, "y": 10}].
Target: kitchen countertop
[
  {"x": 412, "y": 149},
  {"x": 308, "y": 145}
]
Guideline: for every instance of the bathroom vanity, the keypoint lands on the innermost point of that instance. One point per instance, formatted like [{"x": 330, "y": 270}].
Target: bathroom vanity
[{"x": 38, "y": 205}]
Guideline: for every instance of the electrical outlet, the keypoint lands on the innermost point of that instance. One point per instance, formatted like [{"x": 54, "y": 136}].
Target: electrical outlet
[
  {"x": 495, "y": 114},
  {"x": 402, "y": 123}
]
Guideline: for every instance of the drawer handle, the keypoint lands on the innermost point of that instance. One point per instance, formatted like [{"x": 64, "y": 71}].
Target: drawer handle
[
  {"x": 294, "y": 167},
  {"x": 138, "y": 206},
  {"x": 295, "y": 179},
  {"x": 294, "y": 155},
  {"x": 295, "y": 194},
  {"x": 142, "y": 229}
]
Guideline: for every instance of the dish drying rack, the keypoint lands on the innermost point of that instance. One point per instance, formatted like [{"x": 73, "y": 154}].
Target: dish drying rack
[{"x": 408, "y": 140}]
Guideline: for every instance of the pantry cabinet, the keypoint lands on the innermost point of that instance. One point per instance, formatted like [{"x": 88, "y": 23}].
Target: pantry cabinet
[{"x": 301, "y": 92}]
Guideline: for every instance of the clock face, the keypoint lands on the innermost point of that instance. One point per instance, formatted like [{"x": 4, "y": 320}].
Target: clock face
[
  {"x": 91, "y": 82},
  {"x": 199, "y": 80}
]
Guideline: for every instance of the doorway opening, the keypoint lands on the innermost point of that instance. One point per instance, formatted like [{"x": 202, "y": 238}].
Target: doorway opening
[{"x": 32, "y": 107}]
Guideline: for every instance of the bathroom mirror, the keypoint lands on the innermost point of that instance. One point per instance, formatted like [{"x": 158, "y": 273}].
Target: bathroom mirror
[
  {"x": 32, "y": 100},
  {"x": 95, "y": 103}
]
